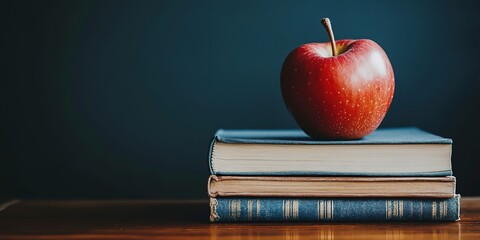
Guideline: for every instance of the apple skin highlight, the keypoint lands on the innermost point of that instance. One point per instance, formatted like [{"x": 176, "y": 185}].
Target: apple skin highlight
[{"x": 338, "y": 97}]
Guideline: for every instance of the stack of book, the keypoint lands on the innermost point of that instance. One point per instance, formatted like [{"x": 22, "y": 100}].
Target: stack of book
[{"x": 401, "y": 174}]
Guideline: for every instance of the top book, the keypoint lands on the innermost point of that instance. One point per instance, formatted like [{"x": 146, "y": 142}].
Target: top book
[{"x": 385, "y": 152}]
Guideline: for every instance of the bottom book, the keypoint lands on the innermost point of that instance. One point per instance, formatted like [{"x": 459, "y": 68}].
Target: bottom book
[{"x": 333, "y": 209}]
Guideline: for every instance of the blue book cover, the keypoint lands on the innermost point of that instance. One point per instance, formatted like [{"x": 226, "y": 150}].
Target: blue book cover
[
  {"x": 333, "y": 209},
  {"x": 403, "y": 135},
  {"x": 385, "y": 152}
]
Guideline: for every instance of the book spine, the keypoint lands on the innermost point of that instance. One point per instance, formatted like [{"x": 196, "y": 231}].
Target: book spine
[
  {"x": 210, "y": 153},
  {"x": 333, "y": 209}
]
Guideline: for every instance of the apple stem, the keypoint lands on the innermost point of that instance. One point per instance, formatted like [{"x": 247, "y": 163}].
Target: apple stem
[{"x": 328, "y": 26}]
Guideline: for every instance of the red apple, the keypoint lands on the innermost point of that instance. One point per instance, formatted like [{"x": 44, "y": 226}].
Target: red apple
[{"x": 344, "y": 95}]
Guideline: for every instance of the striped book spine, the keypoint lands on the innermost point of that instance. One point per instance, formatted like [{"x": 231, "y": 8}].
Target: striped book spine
[{"x": 333, "y": 209}]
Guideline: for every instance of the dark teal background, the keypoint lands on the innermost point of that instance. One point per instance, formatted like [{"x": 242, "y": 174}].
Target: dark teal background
[{"x": 119, "y": 99}]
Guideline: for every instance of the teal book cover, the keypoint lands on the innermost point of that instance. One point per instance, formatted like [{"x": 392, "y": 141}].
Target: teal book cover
[
  {"x": 402, "y": 135},
  {"x": 378, "y": 153},
  {"x": 333, "y": 209}
]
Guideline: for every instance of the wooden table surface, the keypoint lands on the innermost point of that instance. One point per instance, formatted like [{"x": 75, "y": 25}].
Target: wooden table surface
[{"x": 122, "y": 219}]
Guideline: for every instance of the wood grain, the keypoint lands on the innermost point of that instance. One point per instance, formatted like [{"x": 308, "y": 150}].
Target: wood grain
[{"x": 123, "y": 219}]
